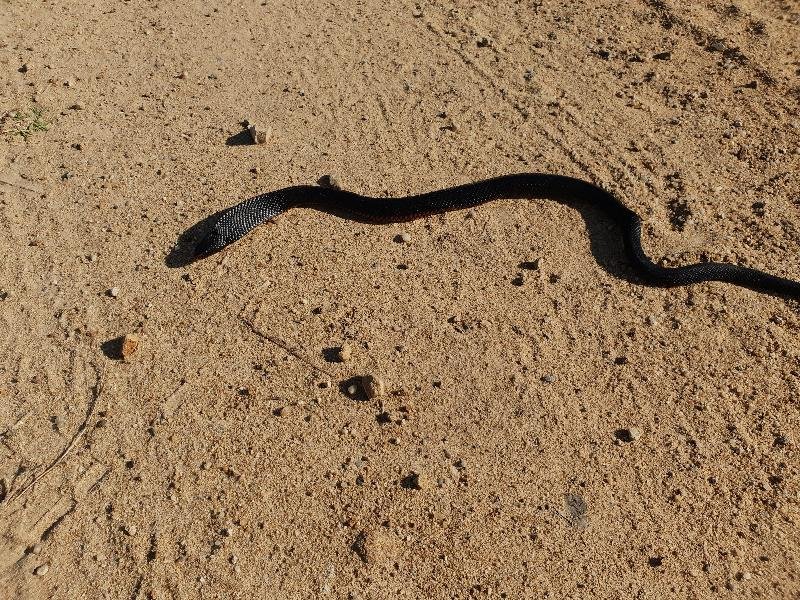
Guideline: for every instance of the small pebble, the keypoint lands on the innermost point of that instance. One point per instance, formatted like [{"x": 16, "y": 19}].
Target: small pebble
[
  {"x": 77, "y": 106},
  {"x": 35, "y": 549},
  {"x": 404, "y": 237},
  {"x": 548, "y": 378},
  {"x": 41, "y": 570},
  {"x": 329, "y": 181},
  {"x": 628, "y": 435},
  {"x": 351, "y": 390},
  {"x": 258, "y": 135},
  {"x": 417, "y": 12},
  {"x": 372, "y": 546},
  {"x": 183, "y": 75},
  {"x": 113, "y": 292},
  {"x": 25, "y": 68},
  {"x": 373, "y": 386},
  {"x": 663, "y": 56},
  {"x": 283, "y": 411},
  {"x": 344, "y": 353},
  {"x": 532, "y": 265},
  {"x": 130, "y": 343},
  {"x": 415, "y": 481},
  {"x": 130, "y": 530},
  {"x": 227, "y": 531}
]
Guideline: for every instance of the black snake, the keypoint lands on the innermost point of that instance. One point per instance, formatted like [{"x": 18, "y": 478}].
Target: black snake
[{"x": 236, "y": 221}]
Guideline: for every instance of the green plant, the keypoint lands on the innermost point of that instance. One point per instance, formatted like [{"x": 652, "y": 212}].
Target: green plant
[{"x": 30, "y": 122}]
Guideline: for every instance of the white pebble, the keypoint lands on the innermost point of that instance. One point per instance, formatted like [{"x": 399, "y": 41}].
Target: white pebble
[{"x": 113, "y": 292}]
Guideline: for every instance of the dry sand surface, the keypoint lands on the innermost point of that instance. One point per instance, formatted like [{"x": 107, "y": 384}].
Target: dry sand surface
[{"x": 560, "y": 432}]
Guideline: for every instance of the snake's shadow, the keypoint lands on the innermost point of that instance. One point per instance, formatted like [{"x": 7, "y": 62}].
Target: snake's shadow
[
  {"x": 182, "y": 254},
  {"x": 605, "y": 239}
]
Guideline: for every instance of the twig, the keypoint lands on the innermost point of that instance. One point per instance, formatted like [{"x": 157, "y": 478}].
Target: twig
[
  {"x": 78, "y": 435},
  {"x": 19, "y": 185},
  {"x": 285, "y": 347}
]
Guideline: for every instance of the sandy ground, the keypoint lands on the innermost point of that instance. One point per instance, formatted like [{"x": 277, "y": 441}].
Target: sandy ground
[{"x": 576, "y": 436}]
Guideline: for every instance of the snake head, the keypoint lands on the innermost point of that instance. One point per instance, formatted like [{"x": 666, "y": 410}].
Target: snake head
[{"x": 211, "y": 243}]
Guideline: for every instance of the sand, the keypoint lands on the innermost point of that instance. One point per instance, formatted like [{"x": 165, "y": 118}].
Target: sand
[{"x": 560, "y": 432}]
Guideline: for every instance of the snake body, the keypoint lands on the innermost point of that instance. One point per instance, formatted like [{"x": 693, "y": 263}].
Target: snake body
[{"x": 235, "y": 222}]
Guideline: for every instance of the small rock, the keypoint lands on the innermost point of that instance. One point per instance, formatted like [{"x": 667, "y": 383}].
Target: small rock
[
  {"x": 548, "y": 378},
  {"x": 25, "y": 68},
  {"x": 113, "y": 292},
  {"x": 531, "y": 265},
  {"x": 41, "y": 570},
  {"x": 417, "y": 12},
  {"x": 183, "y": 74},
  {"x": 373, "y": 386},
  {"x": 77, "y": 106},
  {"x": 92, "y": 257},
  {"x": 576, "y": 510},
  {"x": 130, "y": 530},
  {"x": 402, "y": 238},
  {"x": 283, "y": 411},
  {"x": 329, "y": 181},
  {"x": 662, "y": 56},
  {"x": 130, "y": 343},
  {"x": 628, "y": 435},
  {"x": 343, "y": 353},
  {"x": 372, "y": 546},
  {"x": 227, "y": 531},
  {"x": 352, "y": 390},
  {"x": 35, "y": 549},
  {"x": 414, "y": 481},
  {"x": 258, "y": 135}
]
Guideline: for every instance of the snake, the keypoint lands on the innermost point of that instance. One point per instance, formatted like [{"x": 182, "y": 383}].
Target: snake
[{"x": 233, "y": 223}]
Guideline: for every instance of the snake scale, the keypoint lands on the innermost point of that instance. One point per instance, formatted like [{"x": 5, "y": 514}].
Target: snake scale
[{"x": 235, "y": 222}]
